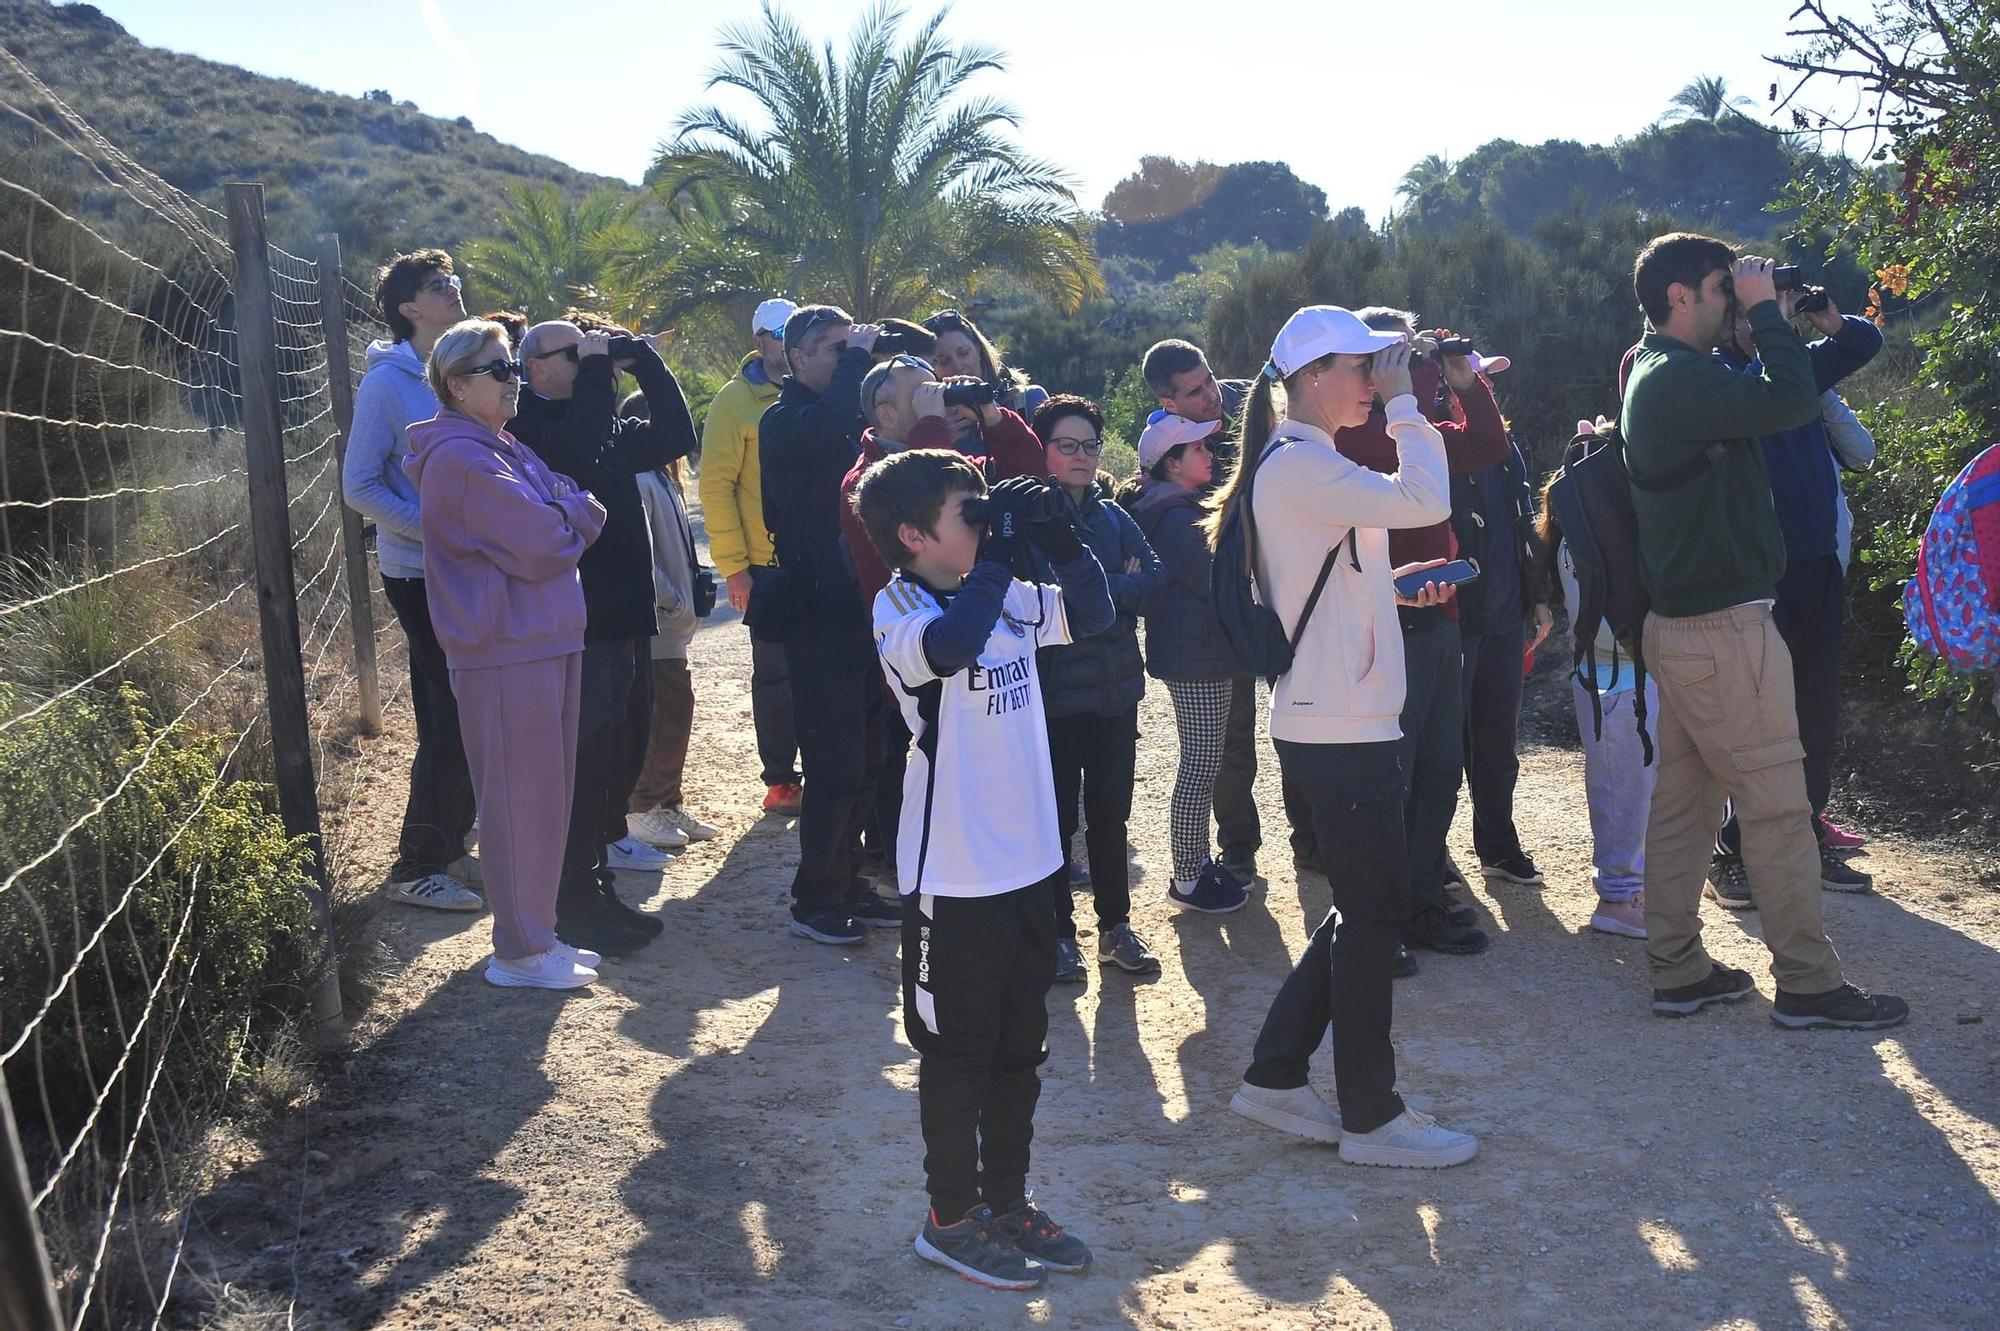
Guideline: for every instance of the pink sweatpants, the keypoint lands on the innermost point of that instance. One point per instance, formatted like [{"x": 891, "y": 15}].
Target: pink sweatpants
[{"x": 519, "y": 727}]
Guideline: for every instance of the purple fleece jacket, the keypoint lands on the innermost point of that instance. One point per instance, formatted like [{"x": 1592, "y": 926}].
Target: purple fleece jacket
[{"x": 500, "y": 549}]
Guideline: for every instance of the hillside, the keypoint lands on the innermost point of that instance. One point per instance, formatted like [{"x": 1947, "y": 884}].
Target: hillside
[{"x": 386, "y": 176}]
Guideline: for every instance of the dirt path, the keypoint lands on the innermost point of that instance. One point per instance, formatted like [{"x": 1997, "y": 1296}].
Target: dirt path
[{"x": 723, "y": 1133}]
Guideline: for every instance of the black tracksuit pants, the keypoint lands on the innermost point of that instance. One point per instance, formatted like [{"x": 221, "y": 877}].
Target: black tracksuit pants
[
  {"x": 1097, "y": 755},
  {"x": 837, "y": 706},
  {"x": 1355, "y": 796},
  {"x": 614, "y": 717},
  {"x": 976, "y": 976},
  {"x": 1432, "y": 748},
  {"x": 1492, "y": 696}
]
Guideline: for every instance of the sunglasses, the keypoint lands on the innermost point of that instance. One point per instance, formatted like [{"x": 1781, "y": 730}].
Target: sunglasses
[
  {"x": 568, "y": 351},
  {"x": 503, "y": 371},
  {"x": 814, "y": 320},
  {"x": 1069, "y": 448},
  {"x": 442, "y": 283},
  {"x": 914, "y": 362},
  {"x": 945, "y": 321}
]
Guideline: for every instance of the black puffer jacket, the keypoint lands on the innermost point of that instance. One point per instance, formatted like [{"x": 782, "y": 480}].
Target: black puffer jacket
[
  {"x": 1183, "y": 637},
  {"x": 583, "y": 437},
  {"x": 1104, "y": 673}
]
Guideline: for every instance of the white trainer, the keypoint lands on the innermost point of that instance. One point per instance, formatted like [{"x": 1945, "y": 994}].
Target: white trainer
[
  {"x": 1411, "y": 1140},
  {"x": 629, "y": 853},
  {"x": 543, "y": 970},
  {"x": 436, "y": 891},
  {"x": 582, "y": 956},
  {"x": 467, "y": 869},
  {"x": 692, "y": 827},
  {"x": 656, "y": 828},
  {"x": 1297, "y": 1110}
]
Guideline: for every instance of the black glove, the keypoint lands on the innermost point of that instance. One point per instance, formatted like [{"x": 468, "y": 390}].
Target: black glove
[
  {"x": 1054, "y": 533},
  {"x": 1011, "y": 506}
]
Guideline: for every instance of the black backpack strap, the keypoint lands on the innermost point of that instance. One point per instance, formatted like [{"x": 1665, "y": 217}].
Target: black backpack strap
[
  {"x": 1250, "y": 542},
  {"x": 1325, "y": 571}
]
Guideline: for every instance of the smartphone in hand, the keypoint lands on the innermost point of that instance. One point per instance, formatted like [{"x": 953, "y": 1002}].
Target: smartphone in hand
[{"x": 1454, "y": 574}]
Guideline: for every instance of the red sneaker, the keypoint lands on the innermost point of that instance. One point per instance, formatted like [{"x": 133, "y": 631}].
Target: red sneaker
[
  {"x": 1835, "y": 837},
  {"x": 783, "y": 798}
]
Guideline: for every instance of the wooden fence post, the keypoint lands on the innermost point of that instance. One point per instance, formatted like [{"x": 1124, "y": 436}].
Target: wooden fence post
[
  {"x": 277, "y": 590},
  {"x": 28, "y": 1294},
  {"x": 340, "y": 387}
]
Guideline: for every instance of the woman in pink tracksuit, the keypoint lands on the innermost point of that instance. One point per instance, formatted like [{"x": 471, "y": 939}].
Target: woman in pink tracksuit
[{"x": 502, "y": 536}]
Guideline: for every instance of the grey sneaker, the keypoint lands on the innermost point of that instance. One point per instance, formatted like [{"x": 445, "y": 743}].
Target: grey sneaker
[
  {"x": 1837, "y": 875},
  {"x": 436, "y": 891},
  {"x": 1041, "y": 1239},
  {"x": 1121, "y": 946},
  {"x": 1069, "y": 963},
  {"x": 1297, "y": 1110},
  {"x": 1411, "y": 1140},
  {"x": 978, "y": 1249},
  {"x": 1729, "y": 883}
]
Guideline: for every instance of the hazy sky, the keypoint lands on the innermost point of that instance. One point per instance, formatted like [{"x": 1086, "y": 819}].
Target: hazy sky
[{"x": 1349, "y": 94}]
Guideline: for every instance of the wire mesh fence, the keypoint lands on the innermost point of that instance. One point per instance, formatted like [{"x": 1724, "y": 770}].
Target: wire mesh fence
[{"x": 185, "y": 623}]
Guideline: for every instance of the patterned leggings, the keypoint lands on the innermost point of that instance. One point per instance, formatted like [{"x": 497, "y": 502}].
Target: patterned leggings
[{"x": 1201, "y": 715}]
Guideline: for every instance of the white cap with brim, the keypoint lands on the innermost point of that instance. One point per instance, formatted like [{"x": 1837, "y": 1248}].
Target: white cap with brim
[
  {"x": 1324, "y": 330},
  {"x": 771, "y": 315},
  {"x": 1164, "y": 431}
]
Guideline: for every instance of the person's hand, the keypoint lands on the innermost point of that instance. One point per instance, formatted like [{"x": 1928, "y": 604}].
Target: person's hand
[
  {"x": 1827, "y": 320},
  {"x": 1545, "y": 619},
  {"x": 927, "y": 399},
  {"x": 1132, "y": 564},
  {"x": 1753, "y": 281},
  {"x": 1430, "y": 593},
  {"x": 560, "y": 486},
  {"x": 663, "y": 339},
  {"x": 1391, "y": 371},
  {"x": 1458, "y": 371},
  {"x": 737, "y": 585},
  {"x": 594, "y": 344},
  {"x": 863, "y": 336},
  {"x": 1052, "y": 529}
]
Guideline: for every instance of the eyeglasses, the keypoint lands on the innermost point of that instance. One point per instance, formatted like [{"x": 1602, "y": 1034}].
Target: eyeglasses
[
  {"x": 1069, "y": 448},
  {"x": 504, "y": 371},
  {"x": 569, "y": 351},
  {"x": 825, "y": 315},
  {"x": 442, "y": 283},
  {"x": 914, "y": 362}
]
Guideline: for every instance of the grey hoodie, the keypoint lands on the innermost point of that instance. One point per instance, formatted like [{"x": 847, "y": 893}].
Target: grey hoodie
[{"x": 394, "y": 395}]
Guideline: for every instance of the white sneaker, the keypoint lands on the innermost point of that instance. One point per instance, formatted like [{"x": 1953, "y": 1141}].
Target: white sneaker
[
  {"x": 437, "y": 891},
  {"x": 626, "y": 853},
  {"x": 467, "y": 869},
  {"x": 656, "y": 827},
  {"x": 1298, "y": 1111},
  {"x": 543, "y": 970},
  {"x": 1412, "y": 1140},
  {"x": 582, "y": 956},
  {"x": 692, "y": 827}
]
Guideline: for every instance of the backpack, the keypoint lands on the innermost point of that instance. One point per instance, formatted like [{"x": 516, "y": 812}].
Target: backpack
[
  {"x": 1952, "y": 603},
  {"x": 1255, "y": 634},
  {"x": 1591, "y": 500}
]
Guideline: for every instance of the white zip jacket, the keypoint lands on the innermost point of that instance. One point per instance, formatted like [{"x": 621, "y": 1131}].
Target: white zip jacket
[{"x": 1346, "y": 683}]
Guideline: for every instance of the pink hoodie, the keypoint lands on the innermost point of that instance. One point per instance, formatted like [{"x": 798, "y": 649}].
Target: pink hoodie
[{"x": 500, "y": 549}]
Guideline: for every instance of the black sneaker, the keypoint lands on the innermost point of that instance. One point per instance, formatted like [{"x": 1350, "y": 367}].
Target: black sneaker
[
  {"x": 1729, "y": 883},
  {"x": 1848, "y": 1008},
  {"x": 1215, "y": 892},
  {"x": 1121, "y": 946},
  {"x": 1241, "y": 861},
  {"x": 1725, "y": 984},
  {"x": 1069, "y": 963},
  {"x": 1406, "y": 963},
  {"x": 1458, "y": 910},
  {"x": 1431, "y": 928},
  {"x": 617, "y": 908},
  {"x": 1837, "y": 875},
  {"x": 1516, "y": 868},
  {"x": 591, "y": 924},
  {"x": 977, "y": 1249},
  {"x": 1042, "y": 1239},
  {"x": 827, "y": 924},
  {"x": 875, "y": 912}
]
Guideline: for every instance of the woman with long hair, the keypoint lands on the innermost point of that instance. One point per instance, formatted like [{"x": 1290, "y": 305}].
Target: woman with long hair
[
  {"x": 1310, "y": 513},
  {"x": 962, "y": 350}
]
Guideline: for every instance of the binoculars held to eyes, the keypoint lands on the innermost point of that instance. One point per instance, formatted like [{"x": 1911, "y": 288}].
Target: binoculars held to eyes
[
  {"x": 1449, "y": 346},
  {"x": 897, "y": 344},
  {"x": 968, "y": 395}
]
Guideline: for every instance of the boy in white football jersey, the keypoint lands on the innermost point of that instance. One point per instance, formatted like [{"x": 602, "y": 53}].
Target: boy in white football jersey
[{"x": 957, "y": 635}]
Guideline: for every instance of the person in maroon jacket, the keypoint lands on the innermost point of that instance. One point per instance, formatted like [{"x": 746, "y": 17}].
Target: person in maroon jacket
[
  {"x": 1433, "y": 718},
  {"x": 902, "y": 399}
]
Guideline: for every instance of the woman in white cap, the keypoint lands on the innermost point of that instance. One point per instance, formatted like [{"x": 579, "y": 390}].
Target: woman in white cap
[
  {"x": 1185, "y": 647},
  {"x": 1334, "y": 716}
]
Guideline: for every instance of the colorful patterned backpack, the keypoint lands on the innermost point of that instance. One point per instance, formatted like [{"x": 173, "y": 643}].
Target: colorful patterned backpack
[{"x": 1952, "y": 605}]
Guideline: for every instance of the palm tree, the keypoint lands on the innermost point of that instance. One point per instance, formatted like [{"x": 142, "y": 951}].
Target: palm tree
[
  {"x": 1705, "y": 99},
  {"x": 875, "y": 184},
  {"x": 1422, "y": 176},
  {"x": 548, "y": 254}
]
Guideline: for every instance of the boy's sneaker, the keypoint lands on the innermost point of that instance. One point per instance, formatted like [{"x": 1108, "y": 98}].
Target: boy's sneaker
[
  {"x": 436, "y": 891},
  {"x": 785, "y": 797},
  {"x": 1297, "y": 1110},
  {"x": 1041, "y": 1239},
  {"x": 1405, "y": 964},
  {"x": 1848, "y": 1008},
  {"x": 1457, "y": 909},
  {"x": 635, "y": 856},
  {"x": 1729, "y": 883},
  {"x": 1215, "y": 892},
  {"x": 1431, "y": 928},
  {"x": 1079, "y": 876},
  {"x": 1069, "y": 963},
  {"x": 869, "y": 909},
  {"x": 831, "y": 925},
  {"x": 1627, "y": 919},
  {"x": 1516, "y": 868},
  {"x": 1835, "y": 837},
  {"x": 1411, "y": 1140},
  {"x": 1241, "y": 861},
  {"x": 655, "y": 828},
  {"x": 1121, "y": 946},
  {"x": 1724, "y": 984},
  {"x": 1837, "y": 875},
  {"x": 543, "y": 970},
  {"x": 977, "y": 1249}
]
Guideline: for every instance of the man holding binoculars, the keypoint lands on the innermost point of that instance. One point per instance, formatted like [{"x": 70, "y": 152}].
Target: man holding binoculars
[{"x": 1711, "y": 553}]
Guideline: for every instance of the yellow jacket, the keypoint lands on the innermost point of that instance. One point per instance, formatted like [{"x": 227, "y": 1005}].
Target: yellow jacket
[{"x": 732, "y": 485}]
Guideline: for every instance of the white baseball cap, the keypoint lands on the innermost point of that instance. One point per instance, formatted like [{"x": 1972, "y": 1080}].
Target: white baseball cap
[
  {"x": 1320, "y": 330},
  {"x": 1164, "y": 430},
  {"x": 771, "y": 315}
]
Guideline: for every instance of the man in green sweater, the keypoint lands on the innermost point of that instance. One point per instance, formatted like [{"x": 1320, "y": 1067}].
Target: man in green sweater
[{"x": 1710, "y": 553}]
